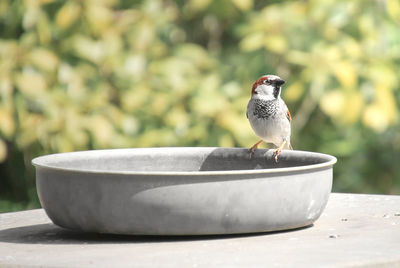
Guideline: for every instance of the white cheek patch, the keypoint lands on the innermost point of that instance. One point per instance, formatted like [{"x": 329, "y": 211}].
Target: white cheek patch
[{"x": 265, "y": 92}]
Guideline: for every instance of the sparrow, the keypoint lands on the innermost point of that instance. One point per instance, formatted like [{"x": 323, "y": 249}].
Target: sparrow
[{"x": 268, "y": 114}]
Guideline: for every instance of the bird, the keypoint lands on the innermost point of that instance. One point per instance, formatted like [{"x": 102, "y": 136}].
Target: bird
[{"x": 268, "y": 114}]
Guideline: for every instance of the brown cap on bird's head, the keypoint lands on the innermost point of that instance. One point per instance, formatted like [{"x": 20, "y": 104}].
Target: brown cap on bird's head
[{"x": 267, "y": 79}]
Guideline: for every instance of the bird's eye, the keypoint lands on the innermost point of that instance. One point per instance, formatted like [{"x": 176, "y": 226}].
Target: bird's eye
[{"x": 266, "y": 81}]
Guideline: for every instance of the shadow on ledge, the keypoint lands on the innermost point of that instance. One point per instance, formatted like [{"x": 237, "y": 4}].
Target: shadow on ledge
[{"x": 52, "y": 234}]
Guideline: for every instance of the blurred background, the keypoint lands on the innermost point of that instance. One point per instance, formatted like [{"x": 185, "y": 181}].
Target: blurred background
[{"x": 79, "y": 75}]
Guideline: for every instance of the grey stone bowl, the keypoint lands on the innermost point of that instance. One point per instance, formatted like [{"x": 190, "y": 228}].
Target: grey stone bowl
[{"x": 183, "y": 191}]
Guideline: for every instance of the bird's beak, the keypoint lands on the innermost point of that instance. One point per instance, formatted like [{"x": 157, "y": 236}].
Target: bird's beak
[{"x": 279, "y": 82}]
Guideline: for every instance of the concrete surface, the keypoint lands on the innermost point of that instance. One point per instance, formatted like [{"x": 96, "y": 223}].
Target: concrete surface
[{"x": 354, "y": 230}]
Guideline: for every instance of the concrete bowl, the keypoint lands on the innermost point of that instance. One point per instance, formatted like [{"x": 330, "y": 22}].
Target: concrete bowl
[{"x": 183, "y": 191}]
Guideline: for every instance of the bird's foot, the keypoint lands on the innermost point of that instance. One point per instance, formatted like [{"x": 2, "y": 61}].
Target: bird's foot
[
  {"x": 276, "y": 154},
  {"x": 278, "y": 151},
  {"x": 253, "y": 148}
]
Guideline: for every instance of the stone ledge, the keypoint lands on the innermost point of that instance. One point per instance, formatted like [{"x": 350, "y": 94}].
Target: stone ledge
[{"x": 354, "y": 230}]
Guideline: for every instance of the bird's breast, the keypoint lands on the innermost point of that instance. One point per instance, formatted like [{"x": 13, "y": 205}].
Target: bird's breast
[
  {"x": 262, "y": 109},
  {"x": 267, "y": 120}
]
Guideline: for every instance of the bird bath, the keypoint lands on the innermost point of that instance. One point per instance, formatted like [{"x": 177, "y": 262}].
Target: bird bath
[{"x": 183, "y": 191}]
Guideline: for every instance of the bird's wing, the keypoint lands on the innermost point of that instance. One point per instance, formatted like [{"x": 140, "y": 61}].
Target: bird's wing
[
  {"x": 289, "y": 117},
  {"x": 247, "y": 110}
]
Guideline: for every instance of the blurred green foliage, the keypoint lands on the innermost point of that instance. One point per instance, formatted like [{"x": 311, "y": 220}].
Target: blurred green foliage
[{"x": 77, "y": 75}]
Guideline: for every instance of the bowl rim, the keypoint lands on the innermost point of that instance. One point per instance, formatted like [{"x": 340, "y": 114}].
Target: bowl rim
[{"x": 40, "y": 162}]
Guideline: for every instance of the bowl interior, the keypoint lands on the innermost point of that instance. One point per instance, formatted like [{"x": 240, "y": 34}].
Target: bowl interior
[{"x": 183, "y": 159}]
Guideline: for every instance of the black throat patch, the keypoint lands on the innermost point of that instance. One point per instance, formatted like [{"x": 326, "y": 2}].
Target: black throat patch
[{"x": 276, "y": 91}]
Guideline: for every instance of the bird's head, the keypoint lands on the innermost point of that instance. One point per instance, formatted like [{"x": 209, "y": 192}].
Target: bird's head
[{"x": 267, "y": 87}]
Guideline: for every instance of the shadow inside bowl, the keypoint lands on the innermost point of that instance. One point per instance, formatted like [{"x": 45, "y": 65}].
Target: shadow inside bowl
[{"x": 222, "y": 159}]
